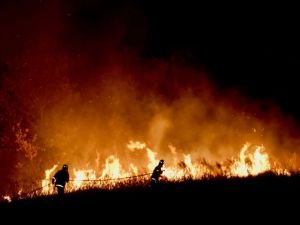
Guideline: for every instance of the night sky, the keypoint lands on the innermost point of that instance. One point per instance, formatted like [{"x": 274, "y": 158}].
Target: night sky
[{"x": 254, "y": 48}]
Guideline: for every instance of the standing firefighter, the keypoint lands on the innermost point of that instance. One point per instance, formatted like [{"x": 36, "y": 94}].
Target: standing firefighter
[
  {"x": 157, "y": 172},
  {"x": 60, "y": 179}
]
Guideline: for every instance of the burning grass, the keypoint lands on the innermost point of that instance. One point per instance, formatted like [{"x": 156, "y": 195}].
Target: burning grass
[
  {"x": 263, "y": 186},
  {"x": 253, "y": 161}
]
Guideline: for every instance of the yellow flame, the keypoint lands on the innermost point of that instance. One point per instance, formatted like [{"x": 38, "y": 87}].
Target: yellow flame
[
  {"x": 133, "y": 169},
  {"x": 152, "y": 159},
  {"x": 251, "y": 163},
  {"x": 252, "y": 160},
  {"x": 82, "y": 176},
  {"x": 47, "y": 181},
  {"x": 112, "y": 168}
]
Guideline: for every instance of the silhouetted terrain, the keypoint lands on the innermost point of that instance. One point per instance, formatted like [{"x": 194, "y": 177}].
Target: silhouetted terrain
[{"x": 263, "y": 191}]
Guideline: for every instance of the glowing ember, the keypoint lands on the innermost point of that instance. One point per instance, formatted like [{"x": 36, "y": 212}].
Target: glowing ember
[
  {"x": 135, "y": 145},
  {"x": 20, "y": 192},
  {"x": 7, "y": 198}
]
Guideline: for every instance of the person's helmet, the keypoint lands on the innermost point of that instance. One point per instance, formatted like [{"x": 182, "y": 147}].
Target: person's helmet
[
  {"x": 65, "y": 166},
  {"x": 161, "y": 161}
]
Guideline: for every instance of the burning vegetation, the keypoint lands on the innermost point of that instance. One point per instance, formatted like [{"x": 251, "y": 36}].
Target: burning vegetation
[
  {"x": 252, "y": 160},
  {"x": 83, "y": 97}
]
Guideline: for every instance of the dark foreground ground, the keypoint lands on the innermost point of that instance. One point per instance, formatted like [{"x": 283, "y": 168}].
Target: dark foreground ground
[{"x": 261, "y": 195}]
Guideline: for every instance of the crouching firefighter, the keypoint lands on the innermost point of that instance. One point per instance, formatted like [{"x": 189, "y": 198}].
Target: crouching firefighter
[
  {"x": 60, "y": 179},
  {"x": 157, "y": 172}
]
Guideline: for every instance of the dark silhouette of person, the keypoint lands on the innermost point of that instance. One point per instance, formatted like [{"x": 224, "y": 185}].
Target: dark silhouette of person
[
  {"x": 157, "y": 172},
  {"x": 60, "y": 179}
]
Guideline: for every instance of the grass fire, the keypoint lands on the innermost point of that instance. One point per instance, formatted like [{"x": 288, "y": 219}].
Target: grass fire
[
  {"x": 252, "y": 161},
  {"x": 108, "y": 95}
]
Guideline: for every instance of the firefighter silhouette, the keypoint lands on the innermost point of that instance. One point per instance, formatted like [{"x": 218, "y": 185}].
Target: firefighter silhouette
[
  {"x": 60, "y": 179},
  {"x": 157, "y": 172}
]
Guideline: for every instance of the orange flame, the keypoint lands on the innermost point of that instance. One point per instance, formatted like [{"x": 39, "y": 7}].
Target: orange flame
[
  {"x": 252, "y": 160},
  {"x": 46, "y": 182},
  {"x": 251, "y": 163}
]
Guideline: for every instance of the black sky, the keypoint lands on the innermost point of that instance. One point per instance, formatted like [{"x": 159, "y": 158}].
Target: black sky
[
  {"x": 254, "y": 48},
  {"x": 250, "y": 47}
]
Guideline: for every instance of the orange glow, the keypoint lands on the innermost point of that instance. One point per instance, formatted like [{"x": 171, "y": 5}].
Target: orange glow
[
  {"x": 252, "y": 160},
  {"x": 112, "y": 128}
]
